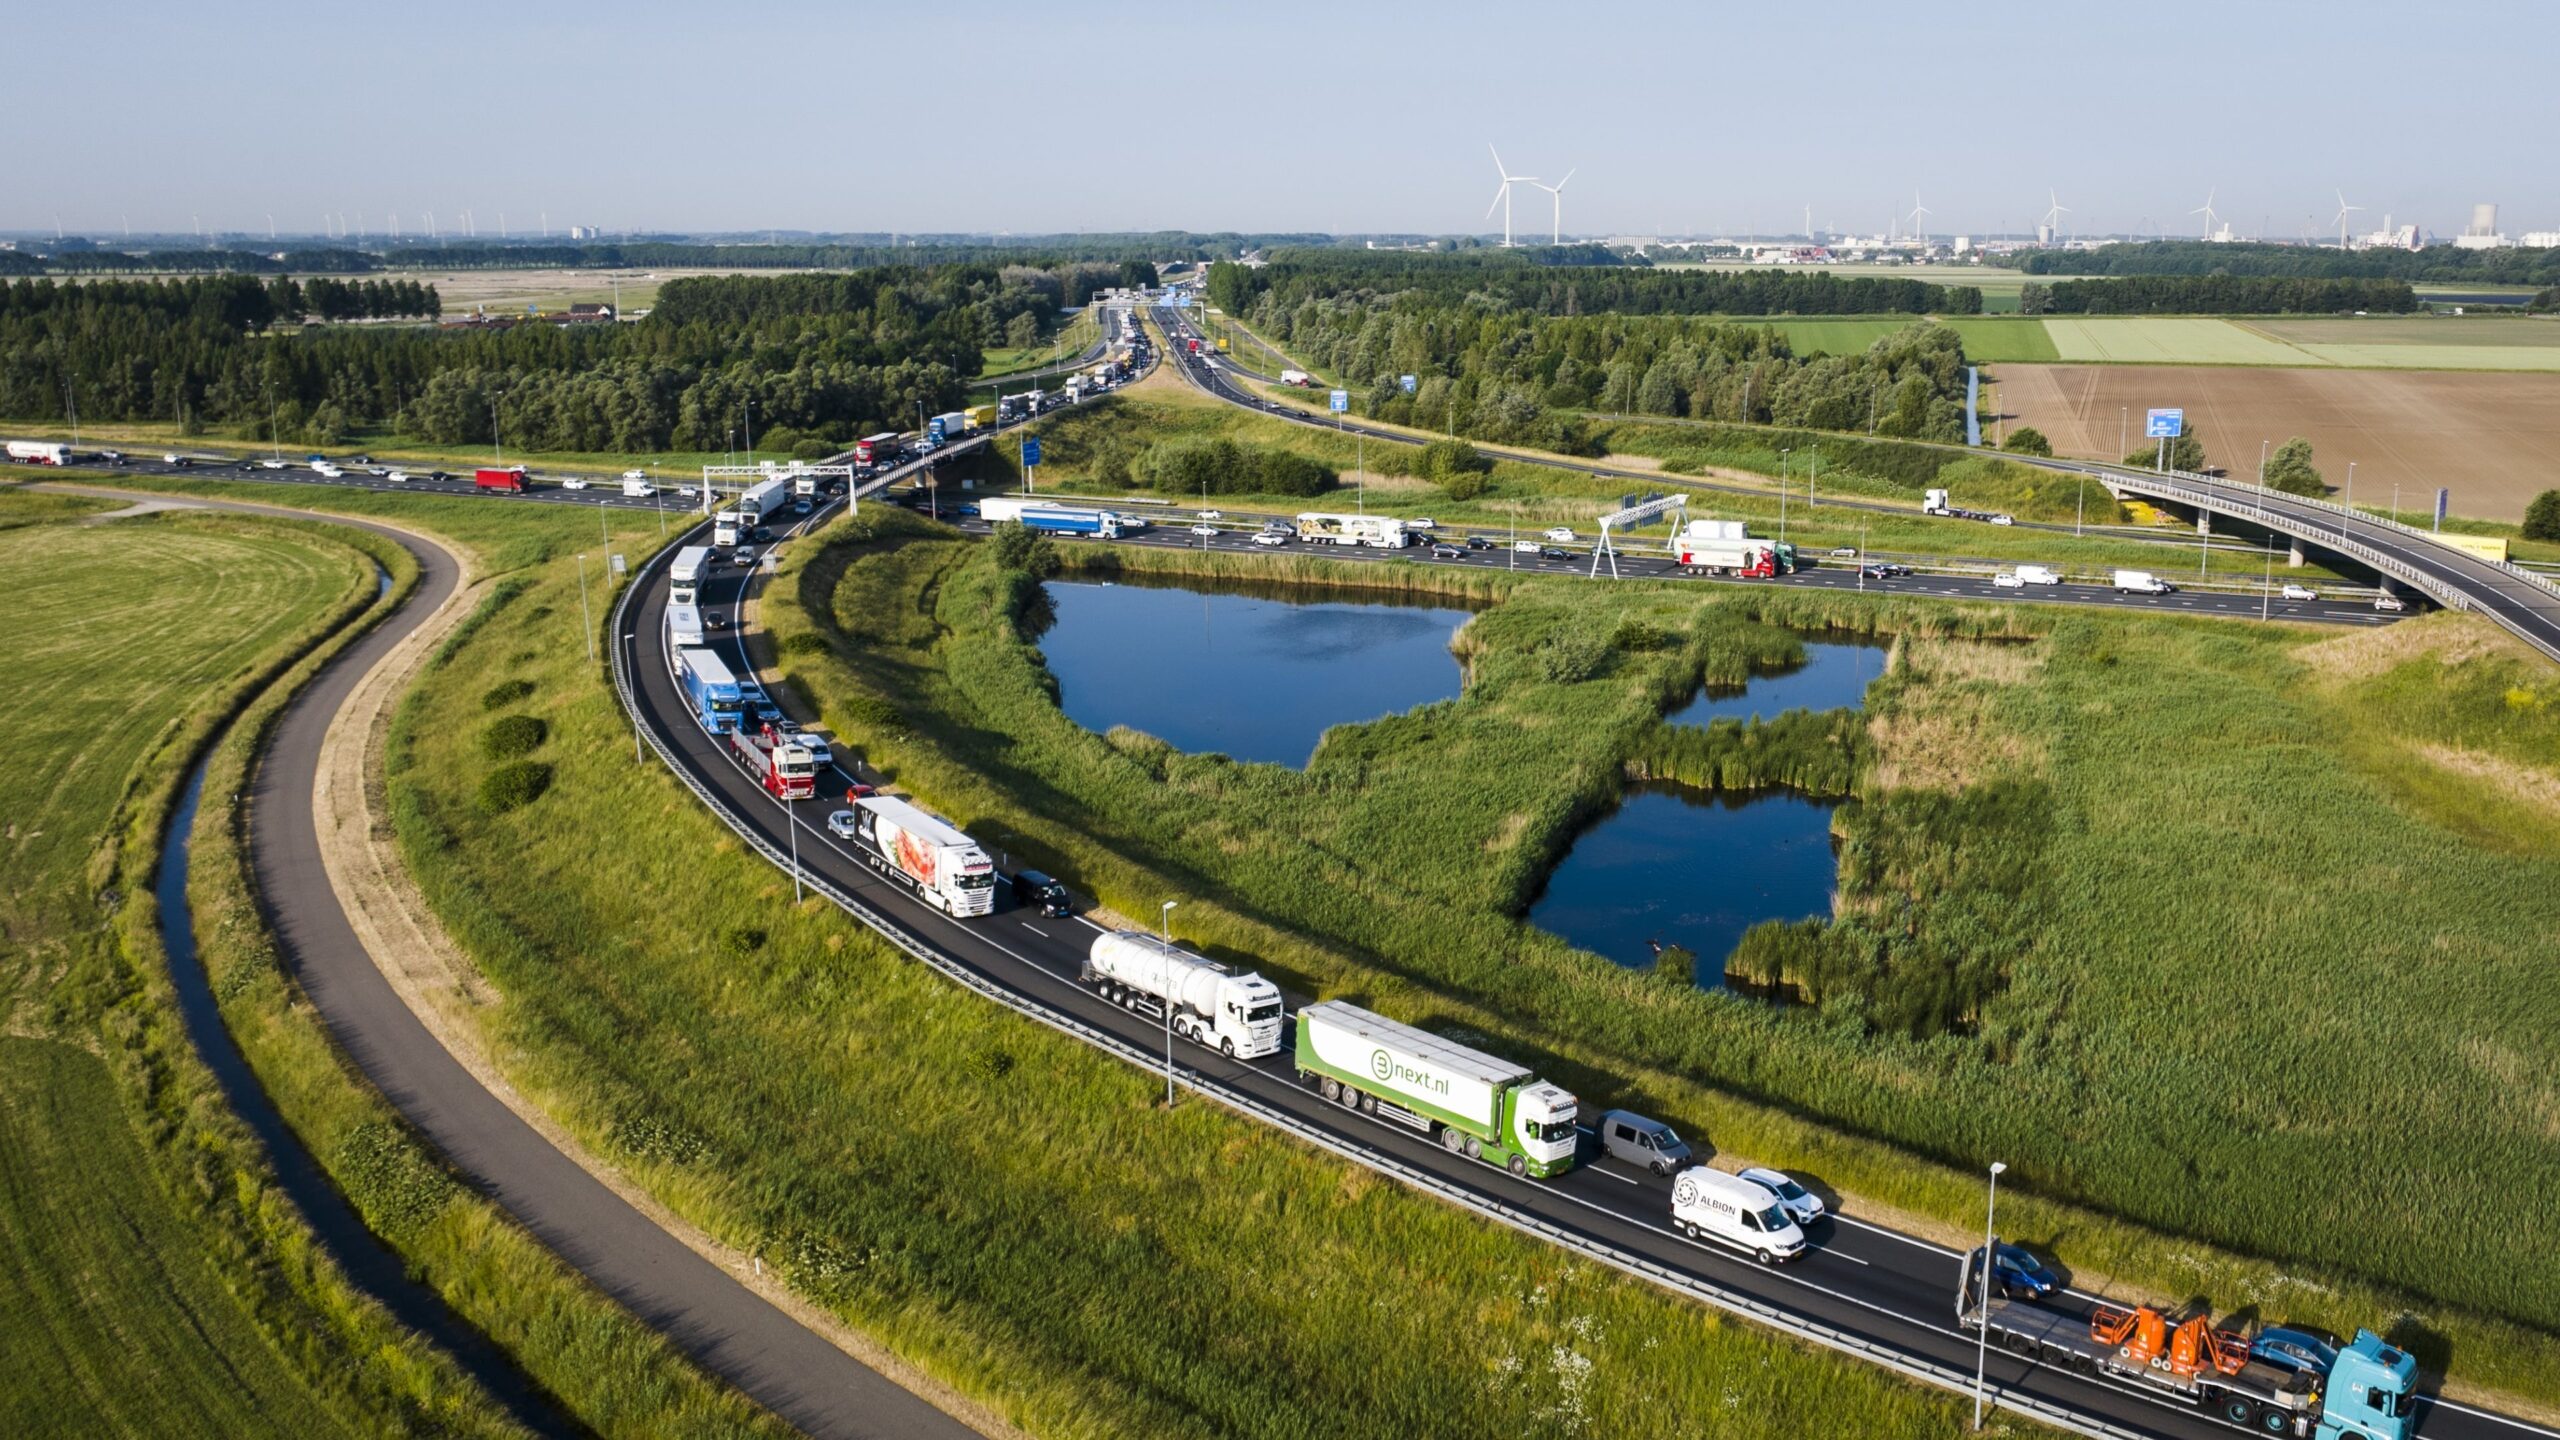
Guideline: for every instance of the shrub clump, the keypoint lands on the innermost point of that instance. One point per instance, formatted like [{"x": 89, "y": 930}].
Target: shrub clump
[
  {"x": 1641, "y": 636},
  {"x": 511, "y": 737},
  {"x": 397, "y": 1189},
  {"x": 507, "y": 693},
  {"x": 742, "y": 940},
  {"x": 1224, "y": 467},
  {"x": 514, "y": 786},
  {"x": 1572, "y": 658}
]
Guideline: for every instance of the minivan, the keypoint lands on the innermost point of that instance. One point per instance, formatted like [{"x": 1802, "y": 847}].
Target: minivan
[
  {"x": 1709, "y": 1205},
  {"x": 1641, "y": 1140}
]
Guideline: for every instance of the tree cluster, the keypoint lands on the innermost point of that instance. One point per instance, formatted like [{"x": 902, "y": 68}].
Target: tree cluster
[
  {"x": 1539, "y": 283},
  {"x": 2436, "y": 263},
  {"x": 1225, "y": 467},
  {"x": 2217, "y": 295}
]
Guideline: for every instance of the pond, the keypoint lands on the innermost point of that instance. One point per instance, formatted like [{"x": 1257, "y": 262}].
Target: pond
[
  {"x": 1257, "y": 674},
  {"x": 1676, "y": 866}
]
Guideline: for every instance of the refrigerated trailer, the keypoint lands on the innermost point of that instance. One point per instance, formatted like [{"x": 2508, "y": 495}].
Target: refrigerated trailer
[
  {"x": 709, "y": 688},
  {"x": 1379, "y": 532},
  {"x": 926, "y": 853},
  {"x": 762, "y": 499},
  {"x": 1057, "y": 519},
  {"x": 1479, "y": 1105},
  {"x": 684, "y": 627},
  {"x": 1236, "y": 1015},
  {"x": 685, "y": 577}
]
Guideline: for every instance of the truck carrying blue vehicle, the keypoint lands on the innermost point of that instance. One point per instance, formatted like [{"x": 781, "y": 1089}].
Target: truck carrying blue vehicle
[
  {"x": 2363, "y": 1390},
  {"x": 1059, "y": 519}
]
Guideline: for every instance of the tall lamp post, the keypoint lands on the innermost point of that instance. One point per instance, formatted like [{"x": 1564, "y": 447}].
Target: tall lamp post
[
  {"x": 1982, "y": 1333},
  {"x": 1164, "y": 939}
]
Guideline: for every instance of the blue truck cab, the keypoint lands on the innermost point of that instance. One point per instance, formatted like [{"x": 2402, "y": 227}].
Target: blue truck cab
[{"x": 2370, "y": 1394}]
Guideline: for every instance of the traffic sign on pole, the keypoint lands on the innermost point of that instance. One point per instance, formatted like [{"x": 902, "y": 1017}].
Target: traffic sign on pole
[
  {"x": 1341, "y": 401},
  {"x": 2444, "y": 498},
  {"x": 1407, "y": 382},
  {"x": 1030, "y": 449},
  {"x": 2163, "y": 424}
]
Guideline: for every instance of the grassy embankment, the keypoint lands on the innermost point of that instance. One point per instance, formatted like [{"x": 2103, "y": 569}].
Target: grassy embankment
[
  {"x": 1066, "y": 342},
  {"x": 162, "y": 1285},
  {"x": 1009, "y": 1211},
  {"x": 2043, "y": 808},
  {"x": 597, "y": 1362}
]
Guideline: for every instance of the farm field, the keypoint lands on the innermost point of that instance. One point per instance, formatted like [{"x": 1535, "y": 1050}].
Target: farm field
[
  {"x": 2488, "y": 438},
  {"x": 1985, "y": 339},
  {"x": 464, "y": 291},
  {"x": 2041, "y": 761},
  {"x": 2162, "y": 340}
]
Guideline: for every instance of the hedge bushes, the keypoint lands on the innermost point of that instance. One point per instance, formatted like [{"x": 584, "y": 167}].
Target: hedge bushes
[
  {"x": 1224, "y": 467},
  {"x": 513, "y": 786},
  {"x": 513, "y": 737}
]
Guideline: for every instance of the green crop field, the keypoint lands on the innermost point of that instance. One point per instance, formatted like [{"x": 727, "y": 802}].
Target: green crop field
[
  {"x": 1006, "y": 1209},
  {"x": 2154, "y": 340},
  {"x": 2130, "y": 1034},
  {"x": 2460, "y": 331}
]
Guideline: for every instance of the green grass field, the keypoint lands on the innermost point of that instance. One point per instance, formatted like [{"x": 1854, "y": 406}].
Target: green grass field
[
  {"x": 2148, "y": 1052},
  {"x": 1004, "y": 1208}
]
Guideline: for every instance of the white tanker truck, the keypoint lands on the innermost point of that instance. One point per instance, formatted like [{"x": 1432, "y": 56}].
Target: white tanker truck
[{"x": 1238, "y": 1015}]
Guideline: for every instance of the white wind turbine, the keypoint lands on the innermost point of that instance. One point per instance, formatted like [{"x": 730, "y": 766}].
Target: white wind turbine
[
  {"x": 1555, "y": 192},
  {"x": 1502, "y": 197},
  {"x": 2344, "y": 210},
  {"x": 2053, "y": 214},
  {"x": 2206, "y": 210},
  {"x": 1919, "y": 219}
]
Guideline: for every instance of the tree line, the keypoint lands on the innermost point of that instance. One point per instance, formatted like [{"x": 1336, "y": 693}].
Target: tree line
[
  {"x": 803, "y": 361},
  {"x": 2216, "y": 295},
  {"x": 2435, "y": 264},
  {"x": 1526, "y": 281}
]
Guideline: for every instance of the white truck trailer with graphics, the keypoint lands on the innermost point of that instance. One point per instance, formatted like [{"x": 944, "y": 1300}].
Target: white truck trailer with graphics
[
  {"x": 685, "y": 577},
  {"x": 1236, "y": 1015},
  {"x": 1378, "y": 532},
  {"x": 925, "y": 853},
  {"x": 1485, "y": 1107}
]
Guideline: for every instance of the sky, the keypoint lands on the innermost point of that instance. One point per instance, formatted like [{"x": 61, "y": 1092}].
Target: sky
[{"x": 972, "y": 115}]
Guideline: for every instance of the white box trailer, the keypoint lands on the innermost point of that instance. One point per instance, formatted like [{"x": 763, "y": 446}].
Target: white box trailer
[
  {"x": 1486, "y": 1107},
  {"x": 1236, "y": 1015},
  {"x": 684, "y": 578},
  {"x": 684, "y": 627},
  {"x": 39, "y": 452},
  {"x": 926, "y": 853},
  {"x": 1379, "y": 532},
  {"x": 762, "y": 499}
]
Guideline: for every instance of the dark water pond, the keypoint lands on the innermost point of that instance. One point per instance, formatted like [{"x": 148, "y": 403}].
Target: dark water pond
[
  {"x": 1675, "y": 866},
  {"x": 1254, "y": 676}
]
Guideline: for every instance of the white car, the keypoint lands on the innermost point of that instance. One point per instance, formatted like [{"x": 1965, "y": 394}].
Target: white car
[
  {"x": 1271, "y": 538},
  {"x": 2300, "y": 592},
  {"x": 1562, "y": 535},
  {"x": 2389, "y": 602},
  {"x": 1802, "y": 1205},
  {"x": 1211, "y": 514},
  {"x": 271, "y": 465},
  {"x": 169, "y": 459},
  {"x": 686, "y": 492},
  {"x": 573, "y": 483},
  {"x": 1422, "y": 522},
  {"x": 2002, "y": 520},
  {"x": 818, "y": 751},
  {"x": 1204, "y": 528},
  {"x": 398, "y": 477},
  {"x": 2009, "y": 580},
  {"x": 325, "y": 470},
  {"x": 1844, "y": 552}
]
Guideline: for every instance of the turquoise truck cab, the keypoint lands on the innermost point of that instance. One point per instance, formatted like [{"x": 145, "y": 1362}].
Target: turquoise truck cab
[{"x": 2370, "y": 1393}]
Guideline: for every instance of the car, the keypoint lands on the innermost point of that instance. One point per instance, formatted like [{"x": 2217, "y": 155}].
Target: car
[
  {"x": 1803, "y": 1206},
  {"x": 2389, "y": 602},
  {"x": 1211, "y": 514},
  {"x": 271, "y": 465},
  {"x": 2292, "y": 1348},
  {"x": 1642, "y": 1140},
  {"x": 799, "y": 507},
  {"x": 359, "y": 459},
  {"x": 2009, "y": 580},
  {"x": 743, "y": 555},
  {"x": 1422, "y": 522},
  {"x": 573, "y": 483},
  {"x": 184, "y": 462},
  {"x": 378, "y": 471},
  {"x": 248, "y": 464},
  {"x": 1844, "y": 552},
  {"x": 2018, "y": 1272},
  {"x": 1271, "y": 538},
  {"x": 1550, "y": 552},
  {"x": 840, "y": 824},
  {"x": 1038, "y": 892},
  {"x": 1448, "y": 552},
  {"x": 1205, "y": 528},
  {"x": 761, "y": 533},
  {"x": 2002, "y": 520},
  {"x": 1875, "y": 572},
  {"x": 714, "y": 620},
  {"x": 814, "y": 743},
  {"x": 686, "y": 492},
  {"x": 1561, "y": 534},
  {"x": 172, "y": 459},
  {"x": 1277, "y": 527},
  {"x": 439, "y": 475},
  {"x": 397, "y": 477},
  {"x": 2295, "y": 591},
  {"x": 1478, "y": 542}
]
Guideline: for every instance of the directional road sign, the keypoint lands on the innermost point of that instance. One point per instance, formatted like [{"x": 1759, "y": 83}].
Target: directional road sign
[
  {"x": 1407, "y": 382},
  {"x": 2163, "y": 424},
  {"x": 1030, "y": 449},
  {"x": 1341, "y": 401}
]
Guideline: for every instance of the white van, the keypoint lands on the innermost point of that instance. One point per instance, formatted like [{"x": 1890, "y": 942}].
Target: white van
[
  {"x": 2038, "y": 575},
  {"x": 1709, "y": 1205}
]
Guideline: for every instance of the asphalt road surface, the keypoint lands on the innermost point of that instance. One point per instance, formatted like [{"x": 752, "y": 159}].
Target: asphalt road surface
[{"x": 1885, "y": 1289}]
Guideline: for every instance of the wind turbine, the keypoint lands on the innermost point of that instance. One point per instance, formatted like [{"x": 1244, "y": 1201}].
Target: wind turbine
[
  {"x": 2344, "y": 210},
  {"x": 1919, "y": 219},
  {"x": 2053, "y": 214},
  {"x": 1555, "y": 192},
  {"x": 1502, "y": 196},
  {"x": 2206, "y": 210}
]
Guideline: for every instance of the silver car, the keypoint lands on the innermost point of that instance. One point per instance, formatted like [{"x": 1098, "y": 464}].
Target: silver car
[{"x": 1642, "y": 1140}]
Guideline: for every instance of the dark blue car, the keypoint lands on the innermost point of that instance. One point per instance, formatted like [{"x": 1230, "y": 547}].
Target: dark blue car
[
  {"x": 2018, "y": 1273},
  {"x": 2292, "y": 1349}
]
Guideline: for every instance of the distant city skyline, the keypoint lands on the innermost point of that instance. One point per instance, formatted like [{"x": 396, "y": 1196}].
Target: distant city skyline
[{"x": 981, "y": 117}]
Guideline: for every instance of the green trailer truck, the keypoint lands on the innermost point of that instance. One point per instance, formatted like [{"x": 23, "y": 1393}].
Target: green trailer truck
[{"x": 1473, "y": 1104}]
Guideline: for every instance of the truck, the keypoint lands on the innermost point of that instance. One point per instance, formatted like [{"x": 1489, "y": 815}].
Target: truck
[
  {"x": 1473, "y": 1104},
  {"x": 1211, "y": 1005},
  {"x": 711, "y": 689},
  {"x": 1935, "y": 502},
  {"x": 762, "y": 499},
  {"x": 2038, "y": 575},
  {"x": 948, "y": 426},
  {"x": 1058, "y": 519},
  {"x": 726, "y": 526},
  {"x": 684, "y": 627},
  {"x": 2366, "y": 1393},
  {"x": 2140, "y": 582},
  {"x": 39, "y": 452},
  {"x": 635, "y": 485},
  {"x": 512, "y": 479},
  {"x": 804, "y": 485},
  {"x": 1377, "y": 532},
  {"x": 685, "y": 576},
  {"x": 980, "y": 416},
  {"x": 1299, "y": 378},
  {"x": 924, "y": 852},
  {"x": 784, "y": 770},
  {"x": 1194, "y": 343},
  {"x": 880, "y": 449},
  {"x": 1723, "y": 547}
]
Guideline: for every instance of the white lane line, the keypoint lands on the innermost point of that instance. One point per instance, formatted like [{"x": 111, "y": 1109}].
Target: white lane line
[
  {"x": 1614, "y": 1175},
  {"x": 1034, "y": 929}
]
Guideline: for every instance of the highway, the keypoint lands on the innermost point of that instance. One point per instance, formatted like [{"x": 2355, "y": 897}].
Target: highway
[{"x": 1863, "y": 1289}]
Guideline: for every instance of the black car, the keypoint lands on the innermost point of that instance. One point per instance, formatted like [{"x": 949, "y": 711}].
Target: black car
[
  {"x": 1445, "y": 551},
  {"x": 1875, "y": 572},
  {"x": 1550, "y": 552},
  {"x": 715, "y": 621},
  {"x": 438, "y": 475},
  {"x": 248, "y": 464},
  {"x": 1037, "y": 891},
  {"x": 1478, "y": 542}
]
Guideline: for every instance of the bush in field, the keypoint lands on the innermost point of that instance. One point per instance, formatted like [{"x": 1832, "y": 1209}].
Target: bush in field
[
  {"x": 512, "y": 737},
  {"x": 2185, "y": 453},
  {"x": 2027, "y": 440},
  {"x": 1572, "y": 657},
  {"x": 2290, "y": 470},
  {"x": 513, "y": 786},
  {"x": 1021, "y": 548},
  {"x": 2542, "y": 517},
  {"x": 742, "y": 940},
  {"x": 1641, "y": 635},
  {"x": 503, "y": 695},
  {"x": 1224, "y": 467}
]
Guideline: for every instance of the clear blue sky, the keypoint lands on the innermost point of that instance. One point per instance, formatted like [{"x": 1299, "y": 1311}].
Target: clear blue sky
[{"x": 977, "y": 115}]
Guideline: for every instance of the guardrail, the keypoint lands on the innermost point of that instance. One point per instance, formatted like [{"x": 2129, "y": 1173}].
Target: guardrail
[{"x": 1485, "y": 1205}]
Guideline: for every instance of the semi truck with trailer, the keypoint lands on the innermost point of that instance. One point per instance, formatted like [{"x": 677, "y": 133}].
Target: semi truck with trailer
[
  {"x": 803, "y": 484},
  {"x": 980, "y": 416},
  {"x": 1474, "y": 1104},
  {"x": 1058, "y": 519},
  {"x": 39, "y": 452},
  {"x": 1235, "y": 1015},
  {"x": 785, "y": 770},
  {"x": 948, "y": 426},
  {"x": 762, "y": 499},
  {"x": 2366, "y": 1393},
  {"x": 880, "y": 449},
  {"x": 684, "y": 627},
  {"x": 685, "y": 576},
  {"x": 1377, "y": 532},
  {"x": 727, "y": 527},
  {"x": 924, "y": 852},
  {"x": 513, "y": 479},
  {"x": 710, "y": 689}
]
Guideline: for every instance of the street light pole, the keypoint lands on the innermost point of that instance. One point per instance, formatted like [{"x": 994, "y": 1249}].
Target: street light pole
[
  {"x": 1782, "y": 495},
  {"x": 587, "y": 621},
  {"x": 2350, "y": 511},
  {"x": 1164, "y": 940},
  {"x": 1982, "y": 1333}
]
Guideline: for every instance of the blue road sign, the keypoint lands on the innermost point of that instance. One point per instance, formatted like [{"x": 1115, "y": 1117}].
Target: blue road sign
[
  {"x": 1030, "y": 449},
  {"x": 2163, "y": 424},
  {"x": 1341, "y": 401},
  {"x": 2443, "y": 498},
  {"x": 1407, "y": 382}
]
